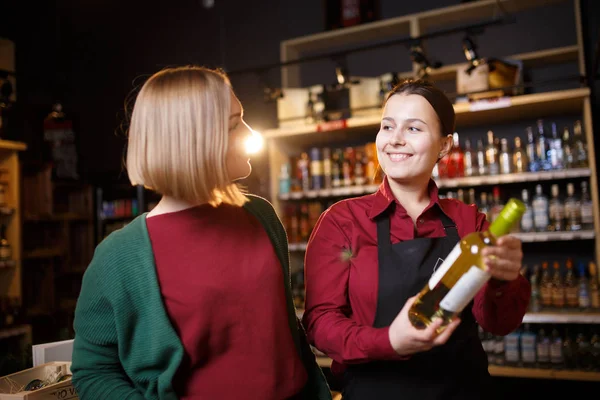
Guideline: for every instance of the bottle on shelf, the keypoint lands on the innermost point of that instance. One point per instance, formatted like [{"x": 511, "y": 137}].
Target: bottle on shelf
[
  {"x": 567, "y": 145},
  {"x": 543, "y": 349},
  {"x": 284, "y": 179},
  {"x": 505, "y": 158},
  {"x": 527, "y": 224},
  {"x": 556, "y": 350},
  {"x": 572, "y": 209},
  {"x": 540, "y": 210},
  {"x": 546, "y": 286},
  {"x": 555, "y": 151},
  {"x": 587, "y": 208},
  {"x": 456, "y": 164},
  {"x": 571, "y": 286},
  {"x": 5, "y": 245},
  {"x": 557, "y": 211},
  {"x": 542, "y": 146},
  {"x": 520, "y": 162},
  {"x": 583, "y": 290},
  {"x": 482, "y": 168},
  {"x": 580, "y": 147},
  {"x": 535, "y": 300},
  {"x": 558, "y": 287},
  {"x": 316, "y": 169},
  {"x": 532, "y": 152},
  {"x": 462, "y": 274},
  {"x": 470, "y": 160},
  {"x": 327, "y": 170},
  {"x": 492, "y": 155}
]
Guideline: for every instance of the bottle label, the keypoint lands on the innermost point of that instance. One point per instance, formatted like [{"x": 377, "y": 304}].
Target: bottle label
[
  {"x": 465, "y": 289},
  {"x": 587, "y": 213},
  {"x": 543, "y": 352},
  {"x": 528, "y": 348},
  {"x": 446, "y": 264},
  {"x": 527, "y": 220}
]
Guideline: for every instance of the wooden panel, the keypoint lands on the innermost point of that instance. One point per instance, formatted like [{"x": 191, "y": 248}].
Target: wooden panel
[
  {"x": 475, "y": 11},
  {"x": 531, "y": 60}
]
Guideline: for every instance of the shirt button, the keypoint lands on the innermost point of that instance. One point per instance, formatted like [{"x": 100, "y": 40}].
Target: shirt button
[{"x": 421, "y": 221}]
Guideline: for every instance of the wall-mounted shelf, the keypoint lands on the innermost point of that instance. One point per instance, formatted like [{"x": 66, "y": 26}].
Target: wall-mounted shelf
[
  {"x": 519, "y": 372},
  {"x": 563, "y": 317}
]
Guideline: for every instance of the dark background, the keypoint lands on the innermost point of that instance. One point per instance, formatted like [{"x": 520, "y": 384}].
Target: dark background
[{"x": 92, "y": 54}]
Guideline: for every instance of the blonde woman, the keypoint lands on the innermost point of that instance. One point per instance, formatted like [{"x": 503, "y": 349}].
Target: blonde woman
[{"x": 192, "y": 300}]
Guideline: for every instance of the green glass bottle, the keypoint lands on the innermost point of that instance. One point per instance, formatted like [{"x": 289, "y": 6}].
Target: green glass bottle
[{"x": 462, "y": 274}]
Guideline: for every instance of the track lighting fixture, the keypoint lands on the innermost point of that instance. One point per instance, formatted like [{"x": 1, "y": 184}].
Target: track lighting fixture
[
  {"x": 417, "y": 55},
  {"x": 470, "y": 50}
]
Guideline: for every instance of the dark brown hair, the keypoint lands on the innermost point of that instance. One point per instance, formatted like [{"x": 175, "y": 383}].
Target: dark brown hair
[{"x": 438, "y": 100}]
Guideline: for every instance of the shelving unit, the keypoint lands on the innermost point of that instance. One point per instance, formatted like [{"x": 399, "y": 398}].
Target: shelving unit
[
  {"x": 18, "y": 334},
  {"x": 519, "y": 372},
  {"x": 289, "y": 139}
]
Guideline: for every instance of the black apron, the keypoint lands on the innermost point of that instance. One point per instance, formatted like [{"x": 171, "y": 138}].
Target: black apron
[{"x": 456, "y": 370}]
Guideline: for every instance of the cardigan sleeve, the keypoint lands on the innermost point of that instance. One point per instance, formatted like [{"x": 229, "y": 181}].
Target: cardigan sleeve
[{"x": 96, "y": 368}]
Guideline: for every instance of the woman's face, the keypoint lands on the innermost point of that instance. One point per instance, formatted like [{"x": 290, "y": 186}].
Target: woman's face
[
  {"x": 409, "y": 141},
  {"x": 238, "y": 162}
]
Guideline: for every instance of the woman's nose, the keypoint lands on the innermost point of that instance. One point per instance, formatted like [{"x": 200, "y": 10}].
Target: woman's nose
[{"x": 397, "y": 138}]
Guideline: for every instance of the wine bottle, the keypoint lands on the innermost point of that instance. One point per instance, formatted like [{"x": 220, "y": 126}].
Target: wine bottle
[{"x": 462, "y": 274}]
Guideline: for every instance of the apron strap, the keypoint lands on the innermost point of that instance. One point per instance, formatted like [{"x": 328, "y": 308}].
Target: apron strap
[{"x": 449, "y": 226}]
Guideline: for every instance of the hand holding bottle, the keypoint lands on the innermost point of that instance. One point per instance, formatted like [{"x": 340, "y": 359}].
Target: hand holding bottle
[
  {"x": 408, "y": 340},
  {"x": 504, "y": 260}
]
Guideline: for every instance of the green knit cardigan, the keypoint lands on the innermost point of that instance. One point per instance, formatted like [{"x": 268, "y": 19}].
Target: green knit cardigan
[{"x": 120, "y": 304}]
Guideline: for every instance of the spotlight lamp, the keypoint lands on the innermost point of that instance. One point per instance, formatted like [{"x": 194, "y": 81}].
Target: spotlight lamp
[
  {"x": 272, "y": 94},
  {"x": 418, "y": 56},
  {"x": 470, "y": 50}
]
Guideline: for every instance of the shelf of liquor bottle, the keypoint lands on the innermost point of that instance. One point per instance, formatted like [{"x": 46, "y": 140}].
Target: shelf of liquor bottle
[
  {"x": 523, "y": 236},
  {"x": 57, "y": 217},
  {"x": 471, "y": 181},
  {"x": 542, "y": 373},
  {"x": 10, "y": 145},
  {"x": 517, "y": 372},
  {"x": 527, "y": 106},
  {"x": 49, "y": 252},
  {"x": 562, "y": 317},
  {"x": 555, "y": 236},
  {"x": 15, "y": 331},
  {"x": 7, "y": 264}
]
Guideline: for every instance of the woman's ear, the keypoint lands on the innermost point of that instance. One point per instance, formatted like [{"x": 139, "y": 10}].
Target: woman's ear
[{"x": 446, "y": 146}]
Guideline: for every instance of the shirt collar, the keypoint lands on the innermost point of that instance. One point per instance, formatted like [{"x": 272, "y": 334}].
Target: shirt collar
[{"x": 384, "y": 198}]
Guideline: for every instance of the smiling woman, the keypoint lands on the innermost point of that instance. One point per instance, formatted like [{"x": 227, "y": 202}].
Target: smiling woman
[{"x": 356, "y": 307}]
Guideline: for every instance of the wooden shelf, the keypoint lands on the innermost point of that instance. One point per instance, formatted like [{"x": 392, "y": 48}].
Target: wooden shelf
[
  {"x": 533, "y": 59},
  {"x": 472, "y": 181},
  {"x": 538, "y": 373},
  {"x": 57, "y": 217},
  {"x": 562, "y": 317},
  {"x": 528, "y": 237},
  {"x": 393, "y": 28},
  {"x": 10, "y": 145},
  {"x": 484, "y": 112},
  {"x": 474, "y": 11},
  {"x": 49, "y": 252},
  {"x": 15, "y": 331},
  {"x": 524, "y": 107},
  {"x": 517, "y": 372},
  {"x": 555, "y": 236}
]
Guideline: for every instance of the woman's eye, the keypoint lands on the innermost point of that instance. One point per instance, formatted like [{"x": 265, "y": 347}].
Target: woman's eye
[
  {"x": 414, "y": 129},
  {"x": 386, "y": 127}
]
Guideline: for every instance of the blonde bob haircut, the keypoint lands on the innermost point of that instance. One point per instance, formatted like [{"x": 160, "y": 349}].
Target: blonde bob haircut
[{"x": 177, "y": 139}]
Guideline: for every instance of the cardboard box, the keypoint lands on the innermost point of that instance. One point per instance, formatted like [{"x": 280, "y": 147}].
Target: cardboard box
[
  {"x": 490, "y": 79},
  {"x": 58, "y": 391}
]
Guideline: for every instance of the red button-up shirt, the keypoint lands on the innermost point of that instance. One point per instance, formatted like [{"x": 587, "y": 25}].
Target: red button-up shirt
[{"x": 341, "y": 275}]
